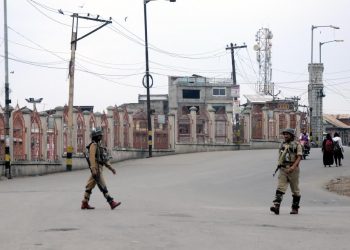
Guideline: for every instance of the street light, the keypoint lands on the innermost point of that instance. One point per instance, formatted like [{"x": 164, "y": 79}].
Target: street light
[
  {"x": 34, "y": 102},
  {"x": 147, "y": 77},
  {"x": 312, "y": 36},
  {"x": 321, "y": 43},
  {"x": 315, "y": 103}
]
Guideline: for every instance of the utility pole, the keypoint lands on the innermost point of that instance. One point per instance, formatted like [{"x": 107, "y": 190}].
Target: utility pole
[
  {"x": 296, "y": 100},
  {"x": 7, "y": 101},
  {"x": 74, "y": 40},
  {"x": 233, "y": 76}
]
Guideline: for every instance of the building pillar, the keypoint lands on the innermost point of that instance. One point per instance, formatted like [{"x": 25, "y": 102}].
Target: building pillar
[
  {"x": 131, "y": 129},
  {"x": 86, "y": 117},
  {"x": 277, "y": 125},
  {"x": 121, "y": 127},
  {"x": 265, "y": 123},
  {"x": 27, "y": 124},
  {"x": 44, "y": 126},
  {"x": 172, "y": 129},
  {"x": 247, "y": 124},
  {"x": 98, "y": 117},
  {"x": 58, "y": 117},
  {"x": 271, "y": 126},
  {"x": 193, "y": 118},
  {"x": 229, "y": 127},
  {"x": 287, "y": 115},
  {"x": 110, "y": 119},
  {"x": 211, "y": 128},
  {"x": 75, "y": 131}
]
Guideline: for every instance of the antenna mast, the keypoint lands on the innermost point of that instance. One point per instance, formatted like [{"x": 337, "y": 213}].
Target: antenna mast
[{"x": 263, "y": 56}]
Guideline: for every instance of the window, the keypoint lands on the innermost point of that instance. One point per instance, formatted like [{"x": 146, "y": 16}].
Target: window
[
  {"x": 190, "y": 94},
  {"x": 219, "y": 109},
  {"x": 184, "y": 128},
  {"x": 219, "y": 92}
]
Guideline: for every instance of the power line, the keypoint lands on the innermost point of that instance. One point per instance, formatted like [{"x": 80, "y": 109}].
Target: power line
[
  {"x": 49, "y": 51},
  {"x": 138, "y": 40},
  {"x": 30, "y": 2},
  {"x": 35, "y": 5}
]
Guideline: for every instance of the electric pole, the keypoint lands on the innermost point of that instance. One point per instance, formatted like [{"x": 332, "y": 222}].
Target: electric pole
[
  {"x": 296, "y": 100},
  {"x": 7, "y": 101},
  {"x": 233, "y": 76},
  {"x": 74, "y": 40}
]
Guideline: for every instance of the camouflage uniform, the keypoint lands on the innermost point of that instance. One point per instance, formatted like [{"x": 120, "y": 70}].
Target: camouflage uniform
[
  {"x": 97, "y": 159},
  {"x": 96, "y": 164},
  {"x": 290, "y": 153}
]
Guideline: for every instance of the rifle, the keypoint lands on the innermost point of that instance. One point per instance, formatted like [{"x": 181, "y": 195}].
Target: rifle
[
  {"x": 281, "y": 159},
  {"x": 276, "y": 170}
]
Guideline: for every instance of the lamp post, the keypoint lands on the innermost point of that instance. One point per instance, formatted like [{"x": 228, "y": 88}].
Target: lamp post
[
  {"x": 147, "y": 78},
  {"x": 312, "y": 36},
  {"x": 315, "y": 73},
  {"x": 34, "y": 102},
  {"x": 321, "y": 43}
]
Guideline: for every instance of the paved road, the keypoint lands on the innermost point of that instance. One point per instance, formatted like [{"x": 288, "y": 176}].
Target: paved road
[{"x": 216, "y": 200}]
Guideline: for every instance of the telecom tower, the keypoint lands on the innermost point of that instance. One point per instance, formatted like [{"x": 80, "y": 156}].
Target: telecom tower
[{"x": 263, "y": 55}]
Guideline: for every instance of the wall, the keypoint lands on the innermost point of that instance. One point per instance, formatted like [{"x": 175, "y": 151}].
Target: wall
[
  {"x": 32, "y": 168},
  {"x": 27, "y": 168}
]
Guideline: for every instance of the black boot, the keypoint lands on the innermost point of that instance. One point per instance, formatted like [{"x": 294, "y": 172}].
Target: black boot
[
  {"x": 275, "y": 208},
  {"x": 277, "y": 202},
  {"x": 295, "y": 205}
]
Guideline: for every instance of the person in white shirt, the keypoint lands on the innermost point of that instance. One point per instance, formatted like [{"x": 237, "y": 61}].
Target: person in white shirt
[{"x": 338, "y": 149}]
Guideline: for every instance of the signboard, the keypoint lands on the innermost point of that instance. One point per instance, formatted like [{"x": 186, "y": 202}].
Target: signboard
[
  {"x": 236, "y": 108},
  {"x": 235, "y": 91},
  {"x": 161, "y": 119}
]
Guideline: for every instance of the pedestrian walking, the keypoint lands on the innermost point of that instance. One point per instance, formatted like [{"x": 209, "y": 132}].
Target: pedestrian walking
[
  {"x": 328, "y": 151},
  {"x": 97, "y": 157},
  {"x": 338, "y": 149},
  {"x": 290, "y": 153}
]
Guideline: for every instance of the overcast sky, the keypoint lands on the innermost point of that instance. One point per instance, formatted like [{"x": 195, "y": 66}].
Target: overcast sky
[{"x": 187, "y": 37}]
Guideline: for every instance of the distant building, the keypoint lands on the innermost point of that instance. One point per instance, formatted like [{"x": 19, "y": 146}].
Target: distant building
[
  {"x": 338, "y": 123},
  {"x": 264, "y": 118},
  {"x": 202, "y": 107}
]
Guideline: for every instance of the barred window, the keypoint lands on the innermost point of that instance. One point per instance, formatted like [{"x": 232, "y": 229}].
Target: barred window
[{"x": 219, "y": 92}]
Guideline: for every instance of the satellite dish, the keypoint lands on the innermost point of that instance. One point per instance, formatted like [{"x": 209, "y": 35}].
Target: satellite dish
[
  {"x": 256, "y": 47},
  {"x": 270, "y": 36}
]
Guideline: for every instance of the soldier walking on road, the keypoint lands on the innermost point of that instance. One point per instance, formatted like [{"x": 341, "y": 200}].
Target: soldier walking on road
[
  {"x": 97, "y": 158},
  {"x": 290, "y": 153}
]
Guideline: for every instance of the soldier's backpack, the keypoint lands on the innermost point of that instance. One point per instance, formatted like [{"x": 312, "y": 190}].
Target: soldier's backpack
[
  {"x": 102, "y": 155},
  {"x": 328, "y": 147}
]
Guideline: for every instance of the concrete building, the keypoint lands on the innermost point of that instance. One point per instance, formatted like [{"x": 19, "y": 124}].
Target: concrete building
[
  {"x": 201, "y": 109},
  {"x": 263, "y": 118}
]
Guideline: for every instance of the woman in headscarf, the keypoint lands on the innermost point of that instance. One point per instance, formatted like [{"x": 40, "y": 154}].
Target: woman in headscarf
[{"x": 328, "y": 151}]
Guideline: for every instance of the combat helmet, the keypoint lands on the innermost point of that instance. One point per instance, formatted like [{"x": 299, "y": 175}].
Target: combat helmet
[
  {"x": 290, "y": 131},
  {"x": 96, "y": 132}
]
